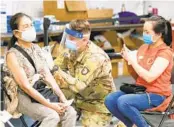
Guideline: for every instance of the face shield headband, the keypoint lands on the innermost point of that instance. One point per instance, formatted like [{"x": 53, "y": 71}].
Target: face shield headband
[
  {"x": 74, "y": 33},
  {"x": 68, "y": 31}
]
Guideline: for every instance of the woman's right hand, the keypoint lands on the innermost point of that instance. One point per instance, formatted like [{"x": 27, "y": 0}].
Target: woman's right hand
[{"x": 58, "y": 108}]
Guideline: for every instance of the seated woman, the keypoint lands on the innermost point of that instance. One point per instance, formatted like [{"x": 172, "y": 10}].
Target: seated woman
[
  {"x": 22, "y": 72},
  {"x": 153, "y": 69}
]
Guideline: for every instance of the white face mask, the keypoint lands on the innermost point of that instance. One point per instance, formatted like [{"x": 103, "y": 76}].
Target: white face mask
[{"x": 29, "y": 35}]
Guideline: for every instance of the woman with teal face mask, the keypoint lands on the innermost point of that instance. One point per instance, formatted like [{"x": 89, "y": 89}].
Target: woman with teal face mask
[
  {"x": 156, "y": 35},
  {"x": 148, "y": 39},
  {"x": 152, "y": 69}
]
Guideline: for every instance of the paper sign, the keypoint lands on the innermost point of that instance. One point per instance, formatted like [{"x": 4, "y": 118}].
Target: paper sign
[
  {"x": 60, "y": 4},
  {"x": 69, "y": 102}
]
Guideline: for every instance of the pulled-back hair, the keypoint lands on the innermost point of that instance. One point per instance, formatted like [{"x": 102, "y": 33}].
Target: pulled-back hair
[
  {"x": 162, "y": 26},
  {"x": 14, "y": 23}
]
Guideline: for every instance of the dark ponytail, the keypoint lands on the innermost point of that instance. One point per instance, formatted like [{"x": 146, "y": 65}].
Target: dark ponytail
[
  {"x": 164, "y": 27},
  {"x": 14, "y": 22},
  {"x": 12, "y": 42},
  {"x": 168, "y": 34}
]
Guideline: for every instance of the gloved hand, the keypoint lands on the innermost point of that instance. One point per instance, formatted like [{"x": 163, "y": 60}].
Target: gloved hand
[{"x": 60, "y": 80}]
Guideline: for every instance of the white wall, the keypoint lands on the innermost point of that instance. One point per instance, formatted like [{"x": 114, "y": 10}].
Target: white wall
[
  {"x": 130, "y": 5},
  {"x": 34, "y": 8},
  {"x": 165, "y": 8}
]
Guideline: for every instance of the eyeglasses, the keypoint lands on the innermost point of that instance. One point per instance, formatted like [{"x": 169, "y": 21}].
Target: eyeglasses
[{"x": 26, "y": 26}]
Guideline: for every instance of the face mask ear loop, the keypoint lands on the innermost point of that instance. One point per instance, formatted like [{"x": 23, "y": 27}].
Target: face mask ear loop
[
  {"x": 18, "y": 31},
  {"x": 156, "y": 39},
  {"x": 152, "y": 38}
]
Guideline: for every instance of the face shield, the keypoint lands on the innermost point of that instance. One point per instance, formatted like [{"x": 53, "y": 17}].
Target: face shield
[{"x": 66, "y": 42}]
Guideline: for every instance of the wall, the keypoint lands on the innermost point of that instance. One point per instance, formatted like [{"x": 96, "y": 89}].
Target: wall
[
  {"x": 134, "y": 6},
  {"x": 35, "y": 7},
  {"x": 165, "y": 8}
]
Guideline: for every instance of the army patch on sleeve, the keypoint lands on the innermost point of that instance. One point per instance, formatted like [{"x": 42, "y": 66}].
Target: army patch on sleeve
[{"x": 84, "y": 71}]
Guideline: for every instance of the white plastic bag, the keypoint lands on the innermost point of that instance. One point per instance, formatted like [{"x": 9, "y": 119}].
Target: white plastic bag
[{"x": 48, "y": 57}]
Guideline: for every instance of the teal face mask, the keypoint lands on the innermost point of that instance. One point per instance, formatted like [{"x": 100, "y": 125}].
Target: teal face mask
[
  {"x": 70, "y": 45},
  {"x": 147, "y": 39}
]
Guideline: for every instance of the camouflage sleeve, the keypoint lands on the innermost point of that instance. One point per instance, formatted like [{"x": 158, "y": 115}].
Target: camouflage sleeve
[
  {"x": 61, "y": 58},
  {"x": 85, "y": 74}
]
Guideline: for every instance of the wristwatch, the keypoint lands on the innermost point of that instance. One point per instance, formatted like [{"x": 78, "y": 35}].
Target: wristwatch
[{"x": 55, "y": 68}]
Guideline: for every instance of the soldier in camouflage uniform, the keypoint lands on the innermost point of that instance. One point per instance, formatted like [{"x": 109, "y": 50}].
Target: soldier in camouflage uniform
[{"x": 84, "y": 74}]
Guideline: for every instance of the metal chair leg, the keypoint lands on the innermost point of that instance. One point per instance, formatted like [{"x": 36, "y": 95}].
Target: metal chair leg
[
  {"x": 148, "y": 122},
  {"x": 23, "y": 121},
  {"x": 166, "y": 113},
  {"x": 36, "y": 124}
]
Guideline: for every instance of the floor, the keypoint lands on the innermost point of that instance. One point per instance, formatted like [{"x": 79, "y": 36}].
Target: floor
[{"x": 118, "y": 82}]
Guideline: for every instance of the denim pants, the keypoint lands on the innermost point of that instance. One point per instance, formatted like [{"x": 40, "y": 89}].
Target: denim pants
[{"x": 127, "y": 107}]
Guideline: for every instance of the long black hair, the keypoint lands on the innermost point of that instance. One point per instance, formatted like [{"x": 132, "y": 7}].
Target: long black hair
[
  {"x": 14, "y": 22},
  {"x": 162, "y": 26}
]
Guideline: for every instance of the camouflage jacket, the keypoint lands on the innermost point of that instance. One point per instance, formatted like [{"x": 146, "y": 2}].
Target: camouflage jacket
[{"x": 88, "y": 74}]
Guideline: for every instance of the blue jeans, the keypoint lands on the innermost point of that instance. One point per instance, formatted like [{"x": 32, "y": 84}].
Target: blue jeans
[{"x": 127, "y": 107}]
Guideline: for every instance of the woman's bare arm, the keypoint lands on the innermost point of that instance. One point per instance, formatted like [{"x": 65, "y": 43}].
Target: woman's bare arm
[{"x": 21, "y": 79}]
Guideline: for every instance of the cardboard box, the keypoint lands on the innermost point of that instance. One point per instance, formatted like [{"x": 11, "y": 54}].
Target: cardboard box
[
  {"x": 72, "y": 10},
  {"x": 115, "y": 68},
  {"x": 112, "y": 37},
  {"x": 3, "y": 50},
  {"x": 74, "y": 6},
  {"x": 99, "y": 13},
  {"x": 54, "y": 47}
]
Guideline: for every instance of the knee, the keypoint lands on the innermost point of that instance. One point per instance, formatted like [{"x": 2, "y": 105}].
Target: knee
[
  {"x": 71, "y": 112},
  {"x": 122, "y": 103},
  {"x": 109, "y": 99},
  {"x": 53, "y": 116}
]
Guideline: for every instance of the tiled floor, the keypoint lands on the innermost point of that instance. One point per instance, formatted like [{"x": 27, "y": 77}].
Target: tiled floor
[{"x": 118, "y": 82}]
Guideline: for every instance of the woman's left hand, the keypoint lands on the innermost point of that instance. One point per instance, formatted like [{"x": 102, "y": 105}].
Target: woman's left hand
[{"x": 126, "y": 54}]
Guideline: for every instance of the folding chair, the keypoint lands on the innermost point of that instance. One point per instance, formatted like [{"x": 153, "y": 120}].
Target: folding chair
[
  {"x": 4, "y": 92},
  {"x": 169, "y": 110}
]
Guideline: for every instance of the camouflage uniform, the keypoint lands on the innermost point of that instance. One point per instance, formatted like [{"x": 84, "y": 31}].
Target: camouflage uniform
[
  {"x": 120, "y": 124},
  {"x": 88, "y": 79}
]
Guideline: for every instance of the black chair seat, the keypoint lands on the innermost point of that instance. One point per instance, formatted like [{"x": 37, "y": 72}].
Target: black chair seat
[{"x": 114, "y": 55}]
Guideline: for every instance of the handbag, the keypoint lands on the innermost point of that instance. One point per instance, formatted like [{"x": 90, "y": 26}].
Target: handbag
[
  {"x": 39, "y": 85},
  {"x": 132, "y": 88}
]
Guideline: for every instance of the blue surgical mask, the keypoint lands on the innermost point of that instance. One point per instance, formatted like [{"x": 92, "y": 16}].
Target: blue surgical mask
[
  {"x": 147, "y": 39},
  {"x": 70, "y": 45}
]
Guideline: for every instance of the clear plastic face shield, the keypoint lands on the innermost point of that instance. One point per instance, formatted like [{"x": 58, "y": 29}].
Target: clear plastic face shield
[{"x": 68, "y": 33}]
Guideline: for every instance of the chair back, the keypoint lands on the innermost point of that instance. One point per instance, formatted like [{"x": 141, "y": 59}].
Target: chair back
[{"x": 172, "y": 78}]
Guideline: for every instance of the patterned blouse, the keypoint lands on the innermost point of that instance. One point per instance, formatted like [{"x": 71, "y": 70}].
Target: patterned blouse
[{"x": 37, "y": 56}]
